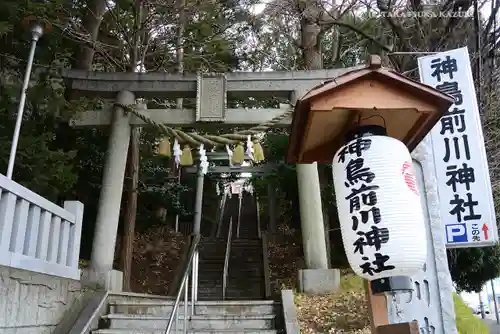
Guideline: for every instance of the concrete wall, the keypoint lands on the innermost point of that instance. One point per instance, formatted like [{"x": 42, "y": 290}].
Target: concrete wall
[{"x": 32, "y": 303}]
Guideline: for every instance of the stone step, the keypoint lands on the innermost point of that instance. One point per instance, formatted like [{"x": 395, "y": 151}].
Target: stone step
[
  {"x": 249, "y": 285},
  {"x": 212, "y": 253},
  {"x": 206, "y": 274},
  {"x": 254, "y": 259},
  {"x": 136, "y": 297},
  {"x": 255, "y": 286},
  {"x": 202, "y": 331},
  {"x": 246, "y": 260},
  {"x": 215, "y": 274},
  {"x": 232, "y": 283},
  {"x": 232, "y": 268},
  {"x": 229, "y": 298},
  {"x": 254, "y": 294},
  {"x": 246, "y": 254},
  {"x": 232, "y": 280},
  {"x": 233, "y": 264},
  {"x": 235, "y": 251},
  {"x": 197, "y": 322},
  {"x": 164, "y": 308},
  {"x": 212, "y": 259},
  {"x": 235, "y": 244},
  {"x": 210, "y": 275},
  {"x": 255, "y": 271},
  {"x": 241, "y": 281},
  {"x": 245, "y": 267},
  {"x": 245, "y": 246},
  {"x": 209, "y": 244},
  {"x": 211, "y": 265},
  {"x": 246, "y": 241},
  {"x": 213, "y": 242}
]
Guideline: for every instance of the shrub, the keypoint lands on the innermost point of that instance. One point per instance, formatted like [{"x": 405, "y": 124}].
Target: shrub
[{"x": 467, "y": 322}]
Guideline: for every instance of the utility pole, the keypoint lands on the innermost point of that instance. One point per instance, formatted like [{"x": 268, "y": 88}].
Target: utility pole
[
  {"x": 481, "y": 305},
  {"x": 495, "y": 301}
]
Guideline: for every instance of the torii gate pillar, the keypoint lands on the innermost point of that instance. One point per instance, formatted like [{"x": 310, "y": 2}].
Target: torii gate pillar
[
  {"x": 103, "y": 248},
  {"x": 317, "y": 278},
  {"x": 311, "y": 217}
]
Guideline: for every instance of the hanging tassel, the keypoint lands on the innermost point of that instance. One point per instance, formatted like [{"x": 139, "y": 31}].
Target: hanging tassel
[
  {"x": 203, "y": 159},
  {"x": 164, "y": 147},
  {"x": 238, "y": 154},
  {"x": 187, "y": 156},
  {"x": 230, "y": 155},
  {"x": 249, "y": 150},
  {"x": 177, "y": 152},
  {"x": 258, "y": 152}
]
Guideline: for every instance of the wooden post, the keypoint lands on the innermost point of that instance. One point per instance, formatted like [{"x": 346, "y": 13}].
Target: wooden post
[
  {"x": 271, "y": 198},
  {"x": 377, "y": 309},
  {"x": 402, "y": 328},
  {"x": 131, "y": 209}
]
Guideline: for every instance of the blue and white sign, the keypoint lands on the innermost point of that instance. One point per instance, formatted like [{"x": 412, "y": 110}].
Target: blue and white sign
[
  {"x": 463, "y": 180},
  {"x": 456, "y": 233}
]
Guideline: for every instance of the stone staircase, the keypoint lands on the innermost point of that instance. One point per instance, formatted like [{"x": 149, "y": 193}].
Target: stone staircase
[
  {"x": 148, "y": 314},
  {"x": 245, "y": 278},
  {"x": 243, "y": 311},
  {"x": 248, "y": 225}
]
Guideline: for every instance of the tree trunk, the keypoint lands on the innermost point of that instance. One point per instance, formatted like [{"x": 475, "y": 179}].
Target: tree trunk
[
  {"x": 181, "y": 4},
  {"x": 91, "y": 23},
  {"x": 324, "y": 182},
  {"x": 180, "y": 41},
  {"x": 313, "y": 60},
  {"x": 132, "y": 170},
  {"x": 131, "y": 210}
]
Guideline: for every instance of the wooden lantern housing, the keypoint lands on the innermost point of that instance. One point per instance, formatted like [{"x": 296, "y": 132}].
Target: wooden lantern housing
[{"x": 372, "y": 95}]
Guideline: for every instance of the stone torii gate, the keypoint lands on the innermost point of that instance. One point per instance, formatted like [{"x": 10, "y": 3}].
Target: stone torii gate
[{"x": 211, "y": 92}]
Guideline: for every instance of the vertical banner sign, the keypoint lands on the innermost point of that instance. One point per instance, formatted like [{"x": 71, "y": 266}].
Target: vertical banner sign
[{"x": 463, "y": 180}]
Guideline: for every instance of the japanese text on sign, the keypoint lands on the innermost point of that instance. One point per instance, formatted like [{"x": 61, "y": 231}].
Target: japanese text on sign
[
  {"x": 460, "y": 160},
  {"x": 363, "y": 187}
]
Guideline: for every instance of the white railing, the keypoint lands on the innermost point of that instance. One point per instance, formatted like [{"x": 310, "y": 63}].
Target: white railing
[{"x": 36, "y": 234}]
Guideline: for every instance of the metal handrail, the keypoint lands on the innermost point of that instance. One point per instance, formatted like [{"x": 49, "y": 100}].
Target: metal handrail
[
  {"x": 191, "y": 267},
  {"x": 220, "y": 218},
  {"x": 257, "y": 207},
  {"x": 240, "y": 202},
  {"x": 226, "y": 258}
]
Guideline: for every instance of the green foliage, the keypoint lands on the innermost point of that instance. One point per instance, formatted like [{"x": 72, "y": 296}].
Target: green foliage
[
  {"x": 467, "y": 322},
  {"x": 41, "y": 164},
  {"x": 157, "y": 187},
  {"x": 471, "y": 268},
  {"x": 352, "y": 283}
]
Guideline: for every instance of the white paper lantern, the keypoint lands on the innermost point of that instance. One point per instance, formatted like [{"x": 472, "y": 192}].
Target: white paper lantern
[{"x": 379, "y": 208}]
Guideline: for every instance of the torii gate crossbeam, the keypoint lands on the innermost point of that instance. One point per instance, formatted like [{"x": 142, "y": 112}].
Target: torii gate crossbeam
[{"x": 211, "y": 91}]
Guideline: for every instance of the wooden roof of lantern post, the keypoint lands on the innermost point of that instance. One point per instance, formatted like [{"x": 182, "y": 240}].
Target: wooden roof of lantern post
[{"x": 372, "y": 95}]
